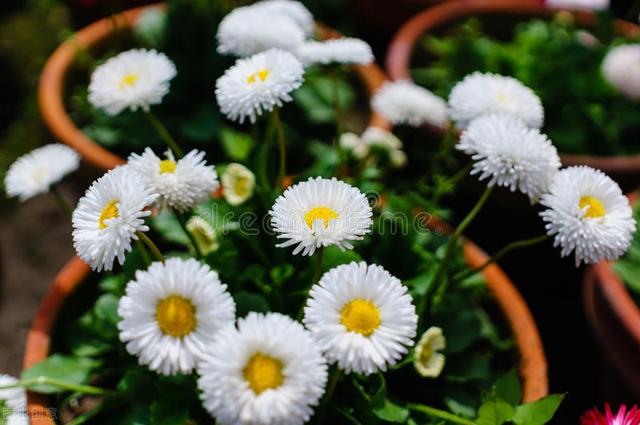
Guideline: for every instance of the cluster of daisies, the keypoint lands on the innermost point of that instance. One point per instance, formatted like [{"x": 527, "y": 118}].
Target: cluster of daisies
[{"x": 499, "y": 120}]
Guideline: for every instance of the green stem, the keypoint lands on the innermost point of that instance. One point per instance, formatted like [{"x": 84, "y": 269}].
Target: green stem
[
  {"x": 442, "y": 268},
  {"x": 61, "y": 201},
  {"x": 164, "y": 133},
  {"x": 192, "y": 239},
  {"x": 281, "y": 147},
  {"x": 334, "y": 380},
  {"x": 318, "y": 269},
  {"x": 44, "y": 380},
  {"x": 143, "y": 252},
  {"x": 452, "y": 181},
  {"x": 87, "y": 415},
  {"x": 442, "y": 414},
  {"x": 523, "y": 243},
  {"x": 152, "y": 247}
]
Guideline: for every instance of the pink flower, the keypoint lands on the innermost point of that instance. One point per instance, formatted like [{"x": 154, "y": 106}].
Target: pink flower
[{"x": 594, "y": 417}]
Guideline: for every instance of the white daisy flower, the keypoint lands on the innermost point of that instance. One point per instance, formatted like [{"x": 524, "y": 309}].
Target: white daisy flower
[
  {"x": 133, "y": 79},
  {"x": 321, "y": 212},
  {"x": 13, "y": 403},
  {"x": 403, "y": 102},
  {"x": 294, "y": 10},
  {"x": 342, "y": 50},
  {"x": 480, "y": 94},
  {"x": 238, "y": 183},
  {"x": 250, "y": 30},
  {"x": 108, "y": 216},
  {"x": 510, "y": 154},
  {"x": 257, "y": 84},
  {"x": 180, "y": 184},
  {"x": 35, "y": 172},
  {"x": 428, "y": 360},
  {"x": 267, "y": 371},
  {"x": 204, "y": 235},
  {"x": 589, "y": 215},
  {"x": 621, "y": 68},
  {"x": 171, "y": 313},
  {"x": 361, "y": 317}
]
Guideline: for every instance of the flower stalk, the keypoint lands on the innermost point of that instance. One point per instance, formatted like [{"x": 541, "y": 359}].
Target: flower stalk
[
  {"x": 164, "y": 133},
  {"x": 152, "y": 247}
]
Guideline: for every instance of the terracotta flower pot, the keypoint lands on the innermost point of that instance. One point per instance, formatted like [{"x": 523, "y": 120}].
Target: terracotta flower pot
[
  {"x": 615, "y": 318},
  {"x": 51, "y": 90},
  {"x": 398, "y": 61},
  {"x": 533, "y": 364}
]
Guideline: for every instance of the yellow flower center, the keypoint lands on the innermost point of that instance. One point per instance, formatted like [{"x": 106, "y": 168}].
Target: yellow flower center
[
  {"x": 594, "y": 207},
  {"x": 361, "y": 316},
  {"x": 176, "y": 316},
  {"x": 241, "y": 186},
  {"x": 128, "y": 81},
  {"x": 320, "y": 213},
  {"x": 167, "y": 166},
  {"x": 258, "y": 75},
  {"x": 263, "y": 373},
  {"x": 426, "y": 353},
  {"x": 110, "y": 211}
]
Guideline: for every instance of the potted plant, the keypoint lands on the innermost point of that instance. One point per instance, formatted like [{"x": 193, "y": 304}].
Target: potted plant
[
  {"x": 72, "y": 120},
  {"x": 610, "y": 297},
  {"x": 491, "y": 43}
]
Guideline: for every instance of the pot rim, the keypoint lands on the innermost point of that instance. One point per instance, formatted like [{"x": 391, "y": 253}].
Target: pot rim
[
  {"x": 51, "y": 87},
  {"x": 532, "y": 361},
  {"x": 402, "y": 45}
]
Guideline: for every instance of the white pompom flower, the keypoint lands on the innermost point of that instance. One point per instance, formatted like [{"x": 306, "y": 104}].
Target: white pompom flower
[
  {"x": 238, "y": 183},
  {"x": 267, "y": 371},
  {"x": 428, "y": 359},
  {"x": 480, "y": 94},
  {"x": 292, "y": 9},
  {"x": 403, "y": 102},
  {"x": 258, "y": 83},
  {"x": 108, "y": 216},
  {"x": 510, "y": 154},
  {"x": 35, "y": 172},
  {"x": 589, "y": 215},
  {"x": 345, "y": 50},
  {"x": 621, "y": 68},
  {"x": 250, "y": 30},
  {"x": 171, "y": 313},
  {"x": 362, "y": 317},
  {"x": 13, "y": 403},
  {"x": 180, "y": 184},
  {"x": 321, "y": 212},
  {"x": 135, "y": 79}
]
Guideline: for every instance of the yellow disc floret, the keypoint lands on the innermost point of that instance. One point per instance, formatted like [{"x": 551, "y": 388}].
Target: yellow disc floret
[
  {"x": 361, "y": 316},
  {"x": 263, "y": 373},
  {"x": 176, "y": 316},
  {"x": 258, "y": 75},
  {"x": 594, "y": 207},
  {"x": 109, "y": 211},
  {"x": 320, "y": 213},
  {"x": 128, "y": 81},
  {"x": 167, "y": 166}
]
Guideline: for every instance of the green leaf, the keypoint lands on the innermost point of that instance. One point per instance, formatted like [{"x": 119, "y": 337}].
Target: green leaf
[
  {"x": 508, "y": 387},
  {"x": 5, "y": 412},
  {"x": 538, "y": 412},
  {"x": 390, "y": 412},
  {"x": 169, "y": 227},
  {"x": 176, "y": 394},
  {"x": 236, "y": 145},
  {"x": 73, "y": 370},
  {"x": 494, "y": 411},
  {"x": 246, "y": 302},
  {"x": 113, "y": 284},
  {"x": 137, "y": 385},
  {"x": 334, "y": 256}
]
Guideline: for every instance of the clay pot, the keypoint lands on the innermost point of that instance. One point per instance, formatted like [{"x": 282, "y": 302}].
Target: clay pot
[
  {"x": 533, "y": 364},
  {"x": 615, "y": 318},
  {"x": 398, "y": 61},
  {"x": 51, "y": 90}
]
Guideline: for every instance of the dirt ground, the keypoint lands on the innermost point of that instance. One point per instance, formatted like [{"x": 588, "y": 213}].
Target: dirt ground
[{"x": 35, "y": 243}]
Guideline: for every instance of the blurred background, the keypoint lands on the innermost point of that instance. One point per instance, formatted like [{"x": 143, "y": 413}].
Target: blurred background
[{"x": 35, "y": 238}]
